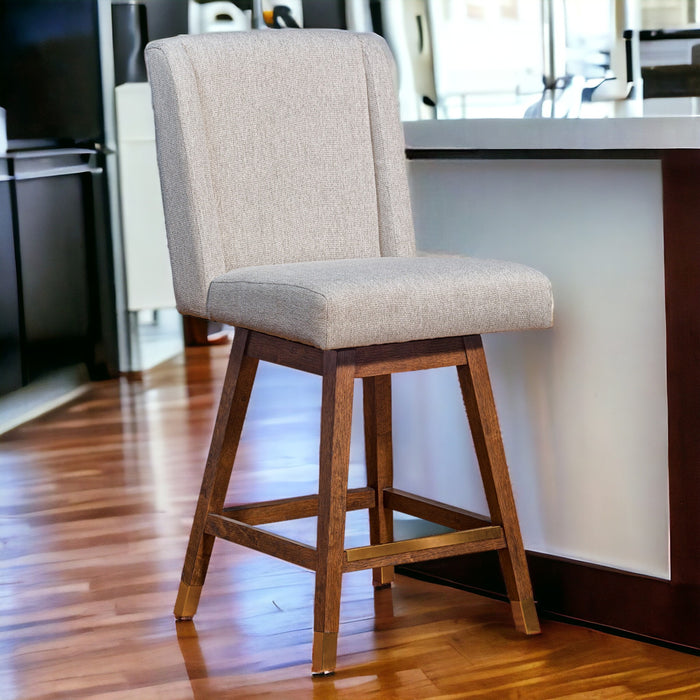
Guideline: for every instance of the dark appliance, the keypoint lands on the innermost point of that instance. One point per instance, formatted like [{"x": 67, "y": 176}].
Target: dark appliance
[{"x": 50, "y": 72}]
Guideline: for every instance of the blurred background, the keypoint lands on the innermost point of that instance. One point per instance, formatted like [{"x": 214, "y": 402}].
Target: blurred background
[{"x": 85, "y": 289}]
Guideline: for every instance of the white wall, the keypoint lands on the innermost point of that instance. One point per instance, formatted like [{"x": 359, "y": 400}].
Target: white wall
[{"x": 583, "y": 406}]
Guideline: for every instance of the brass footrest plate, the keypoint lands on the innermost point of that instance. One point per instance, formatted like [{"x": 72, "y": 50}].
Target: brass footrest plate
[{"x": 481, "y": 534}]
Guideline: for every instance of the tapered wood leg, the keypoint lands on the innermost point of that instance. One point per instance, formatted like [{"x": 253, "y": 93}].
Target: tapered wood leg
[
  {"x": 380, "y": 467},
  {"x": 483, "y": 420},
  {"x": 217, "y": 473},
  {"x": 336, "y": 418}
]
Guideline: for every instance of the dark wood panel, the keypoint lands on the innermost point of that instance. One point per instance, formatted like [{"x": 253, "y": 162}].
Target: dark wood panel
[
  {"x": 681, "y": 185},
  {"x": 608, "y": 599}
]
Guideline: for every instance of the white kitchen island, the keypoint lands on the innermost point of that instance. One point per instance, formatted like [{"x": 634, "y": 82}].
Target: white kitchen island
[{"x": 598, "y": 413}]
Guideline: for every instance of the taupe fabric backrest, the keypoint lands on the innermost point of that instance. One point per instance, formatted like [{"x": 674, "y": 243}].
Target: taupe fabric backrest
[{"x": 274, "y": 147}]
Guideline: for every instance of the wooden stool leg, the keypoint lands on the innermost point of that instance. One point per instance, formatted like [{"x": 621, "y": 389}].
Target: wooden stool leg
[
  {"x": 483, "y": 420},
  {"x": 380, "y": 467},
  {"x": 217, "y": 473},
  {"x": 336, "y": 419}
]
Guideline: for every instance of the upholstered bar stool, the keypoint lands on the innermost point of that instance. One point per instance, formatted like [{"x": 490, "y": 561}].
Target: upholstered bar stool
[{"x": 287, "y": 208}]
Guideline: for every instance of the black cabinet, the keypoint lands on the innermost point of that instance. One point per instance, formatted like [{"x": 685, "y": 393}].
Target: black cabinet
[
  {"x": 10, "y": 312},
  {"x": 53, "y": 269},
  {"x": 57, "y": 307}
]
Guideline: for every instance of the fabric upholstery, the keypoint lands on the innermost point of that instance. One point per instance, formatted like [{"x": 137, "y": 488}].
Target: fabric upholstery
[
  {"x": 287, "y": 208},
  {"x": 276, "y": 147},
  {"x": 349, "y": 303}
]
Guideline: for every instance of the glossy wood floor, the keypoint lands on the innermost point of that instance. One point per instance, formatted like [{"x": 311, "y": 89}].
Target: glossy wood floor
[{"x": 96, "y": 500}]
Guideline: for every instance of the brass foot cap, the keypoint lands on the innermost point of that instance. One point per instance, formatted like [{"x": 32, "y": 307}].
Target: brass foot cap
[
  {"x": 383, "y": 576},
  {"x": 323, "y": 653},
  {"x": 525, "y": 616},
  {"x": 187, "y": 601}
]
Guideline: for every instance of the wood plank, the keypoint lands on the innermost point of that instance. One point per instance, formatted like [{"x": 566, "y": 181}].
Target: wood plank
[
  {"x": 336, "y": 424},
  {"x": 262, "y": 541},
  {"x": 433, "y": 511},
  {"x": 681, "y": 209},
  {"x": 195, "y": 330},
  {"x": 492, "y": 533},
  {"x": 285, "y": 352},
  {"x": 409, "y": 557},
  {"x": 486, "y": 432},
  {"x": 375, "y": 360},
  {"x": 265, "y": 512},
  {"x": 379, "y": 462},
  {"x": 238, "y": 383}
]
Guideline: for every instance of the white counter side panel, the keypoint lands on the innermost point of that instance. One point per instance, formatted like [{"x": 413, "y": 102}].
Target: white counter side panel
[{"x": 583, "y": 406}]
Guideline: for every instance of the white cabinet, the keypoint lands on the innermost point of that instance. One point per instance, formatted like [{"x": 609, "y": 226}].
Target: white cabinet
[{"x": 148, "y": 278}]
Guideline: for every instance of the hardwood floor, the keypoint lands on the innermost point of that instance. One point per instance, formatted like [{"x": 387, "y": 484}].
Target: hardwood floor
[{"x": 96, "y": 500}]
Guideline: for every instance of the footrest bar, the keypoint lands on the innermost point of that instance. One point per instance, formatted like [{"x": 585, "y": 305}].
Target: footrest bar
[
  {"x": 266, "y": 512},
  {"x": 423, "y": 548},
  {"x": 434, "y": 511},
  {"x": 262, "y": 541}
]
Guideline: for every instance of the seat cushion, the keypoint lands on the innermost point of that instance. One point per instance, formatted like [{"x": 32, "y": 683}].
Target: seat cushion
[{"x": 348, "y": 303}]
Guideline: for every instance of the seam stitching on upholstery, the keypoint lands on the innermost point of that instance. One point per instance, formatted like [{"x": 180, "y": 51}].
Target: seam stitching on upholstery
[
  {"x": 185, "y": 155},
  {"x": 207, "y": 141},
  {"x": 274, "y": 284},
  {"x": 371, "y": 137}
]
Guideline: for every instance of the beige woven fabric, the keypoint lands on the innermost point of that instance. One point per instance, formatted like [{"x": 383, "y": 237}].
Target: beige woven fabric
[
  {"x": 348, "y": 303},
  {"x": 276, "y": 147},
  {"x": 286, "y": 198}
]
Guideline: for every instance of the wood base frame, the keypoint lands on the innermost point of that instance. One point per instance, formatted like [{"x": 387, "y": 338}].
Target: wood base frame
[{"x": 329, "y": 559}]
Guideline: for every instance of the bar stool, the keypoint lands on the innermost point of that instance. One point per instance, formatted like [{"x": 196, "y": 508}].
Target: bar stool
[{"x": 288, "y": 216}]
